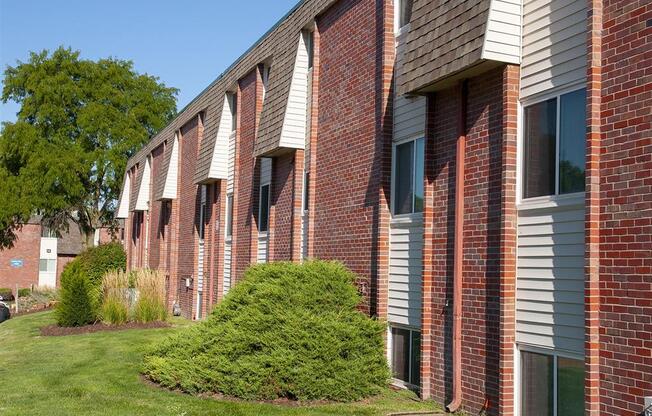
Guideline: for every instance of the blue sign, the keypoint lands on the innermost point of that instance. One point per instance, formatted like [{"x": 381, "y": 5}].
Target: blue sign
[{"x": 16, "y": 263}]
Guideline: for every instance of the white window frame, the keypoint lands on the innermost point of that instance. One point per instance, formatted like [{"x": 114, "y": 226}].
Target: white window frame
[
  {"x": 229, "y": 218},
  {"x": 544, "y": 201},
  {"x": 393, "y": 179},
  {"x": 390, "y": 351},
  {"x": 232, "y": 99},
  {"x": 265, "y": 78},
  {"x": 398, "y": 29},
  {"x": 518, "y": 371}
]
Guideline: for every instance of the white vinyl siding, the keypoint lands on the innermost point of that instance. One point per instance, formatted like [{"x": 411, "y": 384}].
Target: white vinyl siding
[
  {"x": 123, "y": 209},
  {"x": 550, "y": 278},
  {"x": 47, "y": 275},
  {"x": 293, "y": 132},
  {"x": 502, "y": 41},
  {"x": 405, "y": 264},
  {"x": 142, "y": 201},
  {"x": 220, "y": 161},
  {"x": 228, "y": 241},
  {"x": 227, "y": 266},
  {"x": 170, "y": 187},
  {"x": 409, "y": 117},
  {"x": 554, "y": 50}
]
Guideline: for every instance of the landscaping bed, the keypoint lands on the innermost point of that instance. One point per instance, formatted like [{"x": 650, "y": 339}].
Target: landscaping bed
[{"x": 57, "y": 331}]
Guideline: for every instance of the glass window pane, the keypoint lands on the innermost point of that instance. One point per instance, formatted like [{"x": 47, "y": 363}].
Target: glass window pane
[
  {"x": 570, "y": 387},
  {"x": 572, "y": 141},
  {"x": 400, "y": 353},
  {"x": 405, "y": 12},
  {"x": 306, "y": 192},
  {"x": 229, "y": 215},
  {"x": 403, "y": 178},
  {"x": 540, "y": 149},
  {"x": 43, "y": 265},
  {"x": 263, "y": 217},
  {"x": 418, "y": 175},
  {"x": 416, "y": 359},
  {"x": 536, "y": 384}
]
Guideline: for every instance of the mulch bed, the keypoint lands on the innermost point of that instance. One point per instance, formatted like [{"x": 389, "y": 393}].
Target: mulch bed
[{"x": 57, "y": 331}]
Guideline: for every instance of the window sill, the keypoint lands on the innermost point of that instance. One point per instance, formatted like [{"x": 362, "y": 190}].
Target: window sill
[{"x": 555, "y": 201}]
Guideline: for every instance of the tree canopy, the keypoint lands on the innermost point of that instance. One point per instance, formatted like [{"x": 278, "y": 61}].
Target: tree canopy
[{"x": 79, "y": 121}]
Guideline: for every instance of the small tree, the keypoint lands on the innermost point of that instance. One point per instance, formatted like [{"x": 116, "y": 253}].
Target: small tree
[{"x": 78, "y": 302}]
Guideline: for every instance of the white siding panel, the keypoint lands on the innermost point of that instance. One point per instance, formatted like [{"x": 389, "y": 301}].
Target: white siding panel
[
  {"x": 550, "y": 278},
  {"x": 220, "y": 161},
  {"x": 293, "y": 132},
  {"x": 409, "y": 117},
  {"x": 142, "y": 201},
  {"x": 405, "y": 263},
  {"x": 170, "y": 186},
  {"x": 502, "y": 41},
  {"x": 554, "y": 45},
  {"x": 227, "y": 267},
  {"x": 261, "y": 256},
  {"x": 123, "y": 209},
  {"x": 304, "y": 235},
  {"x": 231, "y": 167}
]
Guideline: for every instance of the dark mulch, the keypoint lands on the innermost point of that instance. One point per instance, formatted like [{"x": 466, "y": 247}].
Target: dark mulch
[{"x": 57, "y": 331}]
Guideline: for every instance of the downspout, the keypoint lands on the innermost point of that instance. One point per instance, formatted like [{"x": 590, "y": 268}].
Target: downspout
[{"x": 454, "y": 405}]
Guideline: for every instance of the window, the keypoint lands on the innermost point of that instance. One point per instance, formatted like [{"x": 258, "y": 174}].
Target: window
[
  {"x": 229, "y": 215},
  {"x": 408, "y": 177},
  {"x": 47, "y": 232},
  {"x": 554, "y": 146},
  {"x": 266, "y": 69},
  {"x": 309, "y": 38},
  {"x": 263, "y": 209},
  {"x": 233, "y": 105},
  {"x": 406, "y": 355},
  {"x": 551, "y": 385},
  {"x": 46, "y": 265},
  {"x": 306, "y": 191},
  {"x": 404, "y": 12}
]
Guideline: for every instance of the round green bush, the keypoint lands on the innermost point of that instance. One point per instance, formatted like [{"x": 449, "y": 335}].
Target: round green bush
[
  {"x": 81, "y": 279},
  {"x": 286, "y": 331}
]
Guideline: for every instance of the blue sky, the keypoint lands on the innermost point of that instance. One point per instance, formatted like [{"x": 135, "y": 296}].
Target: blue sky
[{"x": 186, "y": 44}]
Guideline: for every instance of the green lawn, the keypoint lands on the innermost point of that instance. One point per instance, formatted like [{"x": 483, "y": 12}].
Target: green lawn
[{"x": 97, "y": 374}]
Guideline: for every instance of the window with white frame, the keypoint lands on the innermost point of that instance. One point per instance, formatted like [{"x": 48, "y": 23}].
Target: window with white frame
[
  {"x": 229, "y": 215},
  {"x": 408, "y": 177},
  {"x": 554, "y": 145},
  {"x": 203, "y": 213},
  {"x": 265, "y": 71},
  {"x": 233, "y": 106},
  {"x": 309, "y": 37},
  {"x": 263, "y": 209},
  {"x": 306, "y": 191},
  {"x": 47, "y": 265},
  {"x": 551, "y": 384},
  {"x": 406, "y": 355}
]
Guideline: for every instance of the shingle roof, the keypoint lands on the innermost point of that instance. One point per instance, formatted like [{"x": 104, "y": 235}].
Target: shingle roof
[
  {"x": 445, "y": 36},
  {"x": 277, "y": 45}
]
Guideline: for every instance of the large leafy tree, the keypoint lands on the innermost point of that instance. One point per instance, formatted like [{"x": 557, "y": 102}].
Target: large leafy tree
[{"x": 79, "y": 122}]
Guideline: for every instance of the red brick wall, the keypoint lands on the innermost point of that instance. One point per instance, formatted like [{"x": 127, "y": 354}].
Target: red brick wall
[
  {"x": 247, "y": 174},
  {"x": 482, "y": 240},
  {"x": 155, "y": 218},
  {"x": 26, "y": 248},
  {"x": 346, "y": 215},
  {"x": 281, "y": 213},
  {"x": 187, "y": 216},
  {"x": 62, "y": 261},
  {"x": 626, "y": 208}
]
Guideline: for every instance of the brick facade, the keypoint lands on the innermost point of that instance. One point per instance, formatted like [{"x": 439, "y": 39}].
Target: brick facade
[
  {"x": 348, "y": 155},
  {"x": 26, "y": 248}
]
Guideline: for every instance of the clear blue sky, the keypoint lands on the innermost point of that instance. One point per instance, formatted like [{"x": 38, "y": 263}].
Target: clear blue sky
[{"x": 186, "y": 44}]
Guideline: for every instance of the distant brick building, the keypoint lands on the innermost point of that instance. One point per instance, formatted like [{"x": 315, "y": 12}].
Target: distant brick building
[
  {"x": 38, "y": 256},
  {"x": 485, "y": 167}
]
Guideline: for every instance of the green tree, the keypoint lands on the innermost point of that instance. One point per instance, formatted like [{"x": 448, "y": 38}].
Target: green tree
[{"x": 79, "y": 121}]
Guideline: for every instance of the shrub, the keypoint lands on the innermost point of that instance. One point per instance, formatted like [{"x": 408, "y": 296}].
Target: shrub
[
  {"x": 115, "y": 297},
  {"x": 89, "y": 266},
  {"x": 150, "y": 305},
  {"x": 78, "y": 298},
  {"x": 286, "y": 331},
  {"x": 6, "y": 293},
  {"x": 23, "y": 293}
]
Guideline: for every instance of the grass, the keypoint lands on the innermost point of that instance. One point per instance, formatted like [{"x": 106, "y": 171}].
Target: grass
[{"x": 98, "y": 374}]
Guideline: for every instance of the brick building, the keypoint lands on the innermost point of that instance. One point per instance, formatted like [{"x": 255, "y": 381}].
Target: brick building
[{"x": 485, "y": 167}]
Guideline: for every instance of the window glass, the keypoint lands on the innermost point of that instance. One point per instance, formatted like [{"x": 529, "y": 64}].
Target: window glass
[
  {"x": 46, "y": 265},
  {"x": 570, "y": 387},
  {"x": 306, "y": 192},
  {"x": 263, "y": 215},
  {"x": 403, "y": 180},
  {"x": 572, "y": 141},
  {"x": 405, "y": 12},
  {"x": 233, "y": 102},
  {"x": 536, "y": 384},
  {"x": 401, "y": 354},
  {"x": 309, "y": 39},
  {"x": 540, "y": 149},
  {"x": 229, "y": 215},
  {"x": 415, "y": 361},
  {"x": 418, "y": 175}
]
